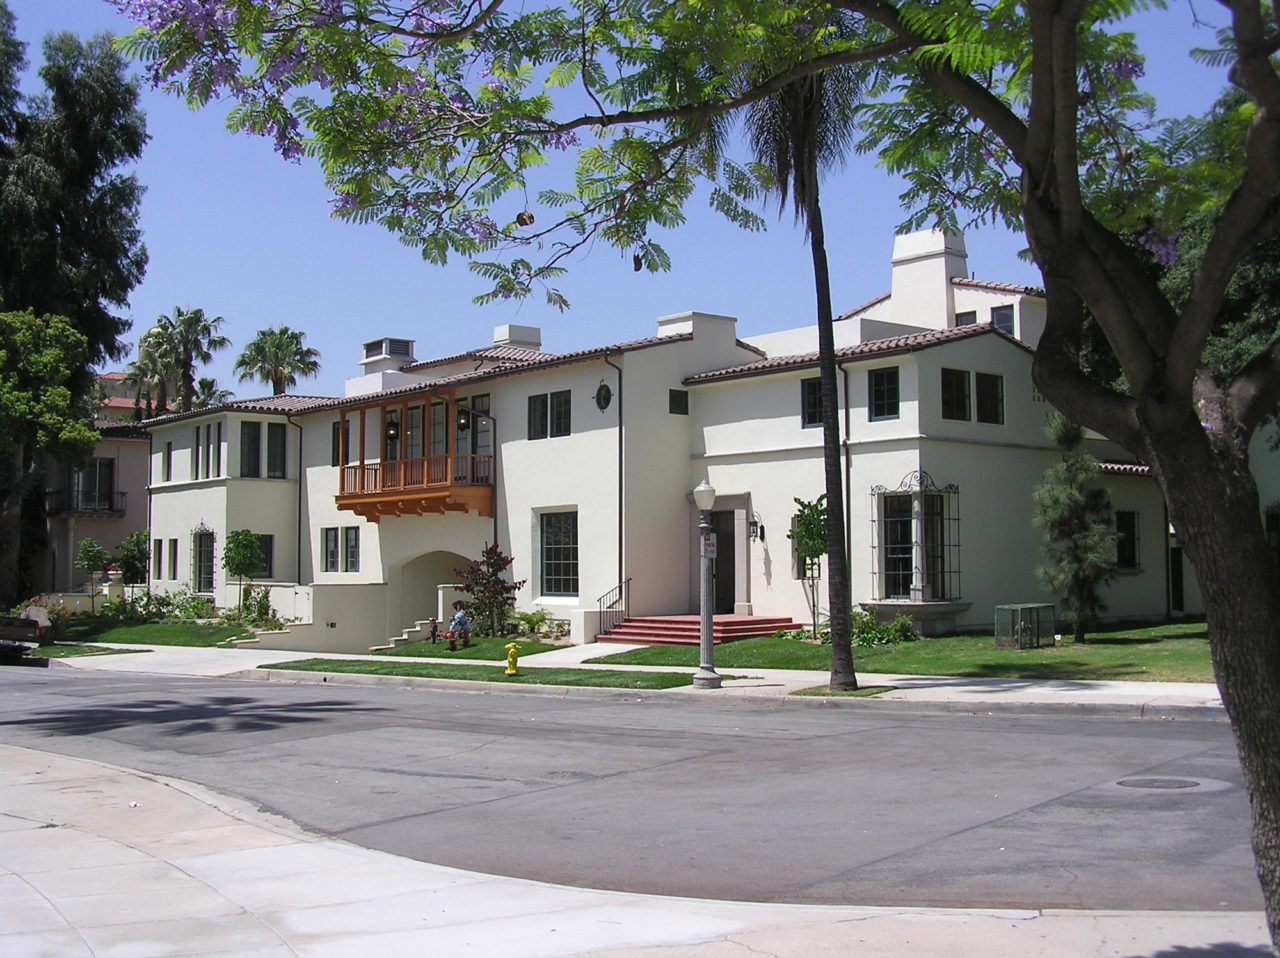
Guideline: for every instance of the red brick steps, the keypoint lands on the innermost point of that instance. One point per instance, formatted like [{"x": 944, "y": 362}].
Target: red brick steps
[{"x": 684, "y": 629}]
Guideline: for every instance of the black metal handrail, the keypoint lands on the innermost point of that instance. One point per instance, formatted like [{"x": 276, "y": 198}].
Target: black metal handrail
[{"x": 614, "y": 606}]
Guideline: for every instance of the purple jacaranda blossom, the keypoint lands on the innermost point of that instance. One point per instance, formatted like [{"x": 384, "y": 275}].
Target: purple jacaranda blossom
[{"x": 1163, "y": 247}]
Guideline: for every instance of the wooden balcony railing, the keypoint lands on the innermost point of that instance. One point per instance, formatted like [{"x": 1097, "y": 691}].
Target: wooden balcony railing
[{"x": 443, "y": 483}]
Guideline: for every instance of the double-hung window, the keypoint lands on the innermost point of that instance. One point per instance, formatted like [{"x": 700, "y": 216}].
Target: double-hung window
[
  {"x": 251, "y": 450},
  {"x": 1002, "y": 318},
  {"x": 350, "y": 548},
  {"x": 330, "y": 559},
  {"x": 275, "y": 450},
  {"x": 1126, "y": 539}
]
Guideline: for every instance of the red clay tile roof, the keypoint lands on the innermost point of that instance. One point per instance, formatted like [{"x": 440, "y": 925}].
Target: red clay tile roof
[
  {"x": 996, "y": 287},
  {"x": 499, "y": 353},
  {"x": 874, "y": 349},
  {"x": 271, "y": 405},
  {"x": 863, "y": 308}
]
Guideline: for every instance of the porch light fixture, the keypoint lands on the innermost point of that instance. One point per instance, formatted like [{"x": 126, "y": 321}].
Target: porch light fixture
[
  {"x": 393, "y": 430},
  {"x": 755, "y": 526},
  {"x": 704, "y": 497},
  {"x": 464, "y": 420}
]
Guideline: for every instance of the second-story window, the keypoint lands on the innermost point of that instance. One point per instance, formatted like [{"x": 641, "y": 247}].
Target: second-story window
[
  {"x": 882, "y": 393},
  {"x": 550, "y": 414},
  {"x": 810, "y": 402},
  {"x": 989, "y": 396},
  {"x": 1002, "y": 318},
  {"x": 955, "y": 394},
  {"x": 275, "y": 450},
  {"x": 251, "y": 450}
]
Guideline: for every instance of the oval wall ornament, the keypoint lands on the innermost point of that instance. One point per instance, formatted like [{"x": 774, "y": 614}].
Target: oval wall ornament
[{"x": 604, "y": 395}]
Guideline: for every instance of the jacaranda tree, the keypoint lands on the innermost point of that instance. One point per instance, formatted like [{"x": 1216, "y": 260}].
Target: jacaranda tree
[{"x": 432, "y": 117}]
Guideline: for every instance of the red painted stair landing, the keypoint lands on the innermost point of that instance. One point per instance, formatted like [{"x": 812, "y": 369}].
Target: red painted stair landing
[{"x": 684, "y": 629}]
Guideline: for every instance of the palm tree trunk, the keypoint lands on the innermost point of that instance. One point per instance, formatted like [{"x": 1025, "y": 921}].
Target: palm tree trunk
[{"x": 839, "y": 595}]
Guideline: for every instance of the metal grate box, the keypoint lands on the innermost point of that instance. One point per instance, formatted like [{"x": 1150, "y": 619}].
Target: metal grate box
[{"x": 1025, "y": 626}]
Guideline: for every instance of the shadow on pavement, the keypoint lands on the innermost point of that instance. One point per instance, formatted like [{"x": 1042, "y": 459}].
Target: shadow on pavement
[
  {"x": 230, "y": 713},
  {"x": 1222, "y": 949}
]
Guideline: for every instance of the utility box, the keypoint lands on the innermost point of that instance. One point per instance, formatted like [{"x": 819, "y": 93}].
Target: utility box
[{"x": 1026, "y": 626}]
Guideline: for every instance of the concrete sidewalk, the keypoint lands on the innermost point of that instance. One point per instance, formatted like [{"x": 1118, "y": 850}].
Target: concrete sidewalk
[
  {"x": 1158, "y": 700},
  {"x": 102, "y": 861}
]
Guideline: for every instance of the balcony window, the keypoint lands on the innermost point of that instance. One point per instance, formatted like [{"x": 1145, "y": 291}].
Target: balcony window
[{"x": 918, "y": 540}]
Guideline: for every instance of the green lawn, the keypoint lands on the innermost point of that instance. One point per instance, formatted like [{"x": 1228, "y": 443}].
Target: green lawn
[
  {"x": 1171, "y": 652},
  {"x": 86, "y": 629},
  {"x": 489, "y": 649},
  {"x": 596, "y": 678},
  {"x": 73, "y": 651}
]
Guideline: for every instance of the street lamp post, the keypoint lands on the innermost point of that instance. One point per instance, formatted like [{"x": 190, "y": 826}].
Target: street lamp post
[{"x": 704, "y": 497}]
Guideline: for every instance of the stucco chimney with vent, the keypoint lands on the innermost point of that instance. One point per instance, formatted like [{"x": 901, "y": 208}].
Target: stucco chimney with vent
[
  {"x": 385, "y": 354},
  {"x": 526, "y": 337}
]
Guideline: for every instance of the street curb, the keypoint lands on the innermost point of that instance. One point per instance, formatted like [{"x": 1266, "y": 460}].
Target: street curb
[{"x": 1149, "y": 711}]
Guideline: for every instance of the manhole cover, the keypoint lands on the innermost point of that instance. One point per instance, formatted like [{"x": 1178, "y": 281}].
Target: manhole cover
[{"x": 1158, "y": 782}]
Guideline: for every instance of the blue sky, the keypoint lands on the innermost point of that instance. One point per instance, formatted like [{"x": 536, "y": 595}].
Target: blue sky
[{"x": 235, "y": 230}]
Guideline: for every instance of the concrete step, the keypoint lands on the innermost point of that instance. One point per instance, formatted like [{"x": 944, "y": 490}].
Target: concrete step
[{"x": 686, "y": 629}]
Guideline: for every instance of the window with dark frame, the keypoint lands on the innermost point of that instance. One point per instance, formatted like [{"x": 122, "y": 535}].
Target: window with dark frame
[
  {"x": 955, "y": 394},
  {"x": 1002, "y": 318},
  {"x": 173, "y": 559},
  {"x": 157, "y": 558},
  {"x": 251, "y": 450},
  {"x": 202, "y": 563},
  {"x": 561, "y": 413},
  {"x": 550, "y": 414},
  {"x": 538, "y": 416},
  {"x": 882, "y": 392},
  {"x": 340, "y": 443},
  {"x": 275, "y": 445},
  {"x": 350, "y": 548},
  {"x": 988, "y": 391},
  {"x": 678, "y": 402},
  {"x": 217, "y": 450},
  {"x": 559, "y": 553},
  {"x": 1126, "y": 539},
  {"x": 195, "y": 454},
  {"x": 208, "y": 450},
  {"x": 166, "y": 463},
  {"x": 267, "y": 549},
  {"x": 967, "y": 318},
  {"x": 330, "y": 549},
  {"x": 810, "y": 403}
]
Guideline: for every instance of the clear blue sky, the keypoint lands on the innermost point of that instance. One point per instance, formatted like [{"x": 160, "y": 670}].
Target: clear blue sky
[{"x": 235, "y": 230}]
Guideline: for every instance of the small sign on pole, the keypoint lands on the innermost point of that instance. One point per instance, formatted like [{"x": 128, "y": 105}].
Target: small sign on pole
[{"x": 709, "y": 544}]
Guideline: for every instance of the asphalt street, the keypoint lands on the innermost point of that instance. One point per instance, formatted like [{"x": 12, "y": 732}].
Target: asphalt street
[{"x": 745, "y": 801}]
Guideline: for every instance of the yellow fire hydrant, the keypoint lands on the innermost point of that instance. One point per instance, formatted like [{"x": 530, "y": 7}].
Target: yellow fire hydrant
[{"x": 513, "y": 653}]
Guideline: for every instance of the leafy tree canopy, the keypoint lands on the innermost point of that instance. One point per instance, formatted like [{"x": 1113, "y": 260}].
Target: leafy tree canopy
[{"x": 69, "y": 238}]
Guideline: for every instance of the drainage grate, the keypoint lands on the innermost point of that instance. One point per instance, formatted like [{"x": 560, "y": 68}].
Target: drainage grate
[{"x": 1158, "y": 783}]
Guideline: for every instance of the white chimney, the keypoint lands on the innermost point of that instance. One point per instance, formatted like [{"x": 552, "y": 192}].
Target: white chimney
[
  {"x": 924, "y": 264},
  {"x": 526, "y": 337}
]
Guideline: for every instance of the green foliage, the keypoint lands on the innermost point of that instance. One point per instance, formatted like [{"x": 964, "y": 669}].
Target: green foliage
[
  {"x": 188, "y": 605},
  {"x": 133, "y": 556},
  {"x": 530, "y": 623},
  {"x": 1074, "y": 514},
  {"x": 69, "y": 238},
  {"x": 492, "y": 594},
  {"x": 278, "y": 356},
  {"x": 177, "y": 343},
  {"x": 868, "y": 632},
  {"x": 809, "y": 530},
  {"x": 57, "y": 613},
  {"x": 91, "y": 557},
  {"x": 255, "y": 610}
]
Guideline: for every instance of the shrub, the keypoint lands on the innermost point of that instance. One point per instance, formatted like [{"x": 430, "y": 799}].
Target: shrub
[
  {"x": 187, "y": 605},
  {"x": 58, "y": 614},
  {"x": 530, "y": 623},
  {"x": 492, "y": 594},
  {"x": 867, "y": 631}
]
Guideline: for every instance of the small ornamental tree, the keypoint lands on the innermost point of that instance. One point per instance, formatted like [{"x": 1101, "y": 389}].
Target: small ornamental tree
[
  {"x": 242, "y": 557},
  {"x": 91, "y": 557},
  {"x": 809, "y": 537},
  {"x": 493, "y": 596},
  {"x": 133, "y": 556},
  {"x": 1074, "y": 513}
]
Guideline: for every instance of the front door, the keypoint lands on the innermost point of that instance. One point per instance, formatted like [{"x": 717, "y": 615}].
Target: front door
[{"x": 723, "y": 568}]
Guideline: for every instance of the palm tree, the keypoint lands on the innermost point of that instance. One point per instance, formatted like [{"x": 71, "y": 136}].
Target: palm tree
[
  {"x": 151, "y": 372},
  {"x": 805, "y": 127},
  {"x": 192, "y": 338},
  {"x": 208, "y": 393},
  {"x": 277, "y": 356}
]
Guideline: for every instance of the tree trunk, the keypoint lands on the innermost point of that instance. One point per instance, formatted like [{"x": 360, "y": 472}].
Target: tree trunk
[
  {"x": 839, "y": 596},
  {"x": 1213, "y": 504},
  {"x": 16, "y": 480}
]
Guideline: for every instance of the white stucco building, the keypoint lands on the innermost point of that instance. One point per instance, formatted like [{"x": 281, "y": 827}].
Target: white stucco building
[{"x": 581, "y": 465}]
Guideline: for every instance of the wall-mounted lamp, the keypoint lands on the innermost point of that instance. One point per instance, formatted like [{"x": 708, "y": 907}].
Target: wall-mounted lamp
[
  {"x": 464, "y": 420},
  {"x": 393, "y": 430},
  {"x": 755, "y": 526}
]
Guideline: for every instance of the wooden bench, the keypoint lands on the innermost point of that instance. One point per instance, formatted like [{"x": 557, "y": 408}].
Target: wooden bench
[{"x": 17, "y": 638}]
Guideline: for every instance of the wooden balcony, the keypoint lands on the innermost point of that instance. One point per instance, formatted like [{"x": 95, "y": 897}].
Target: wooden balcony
[{"x": 415, "y": 487}]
